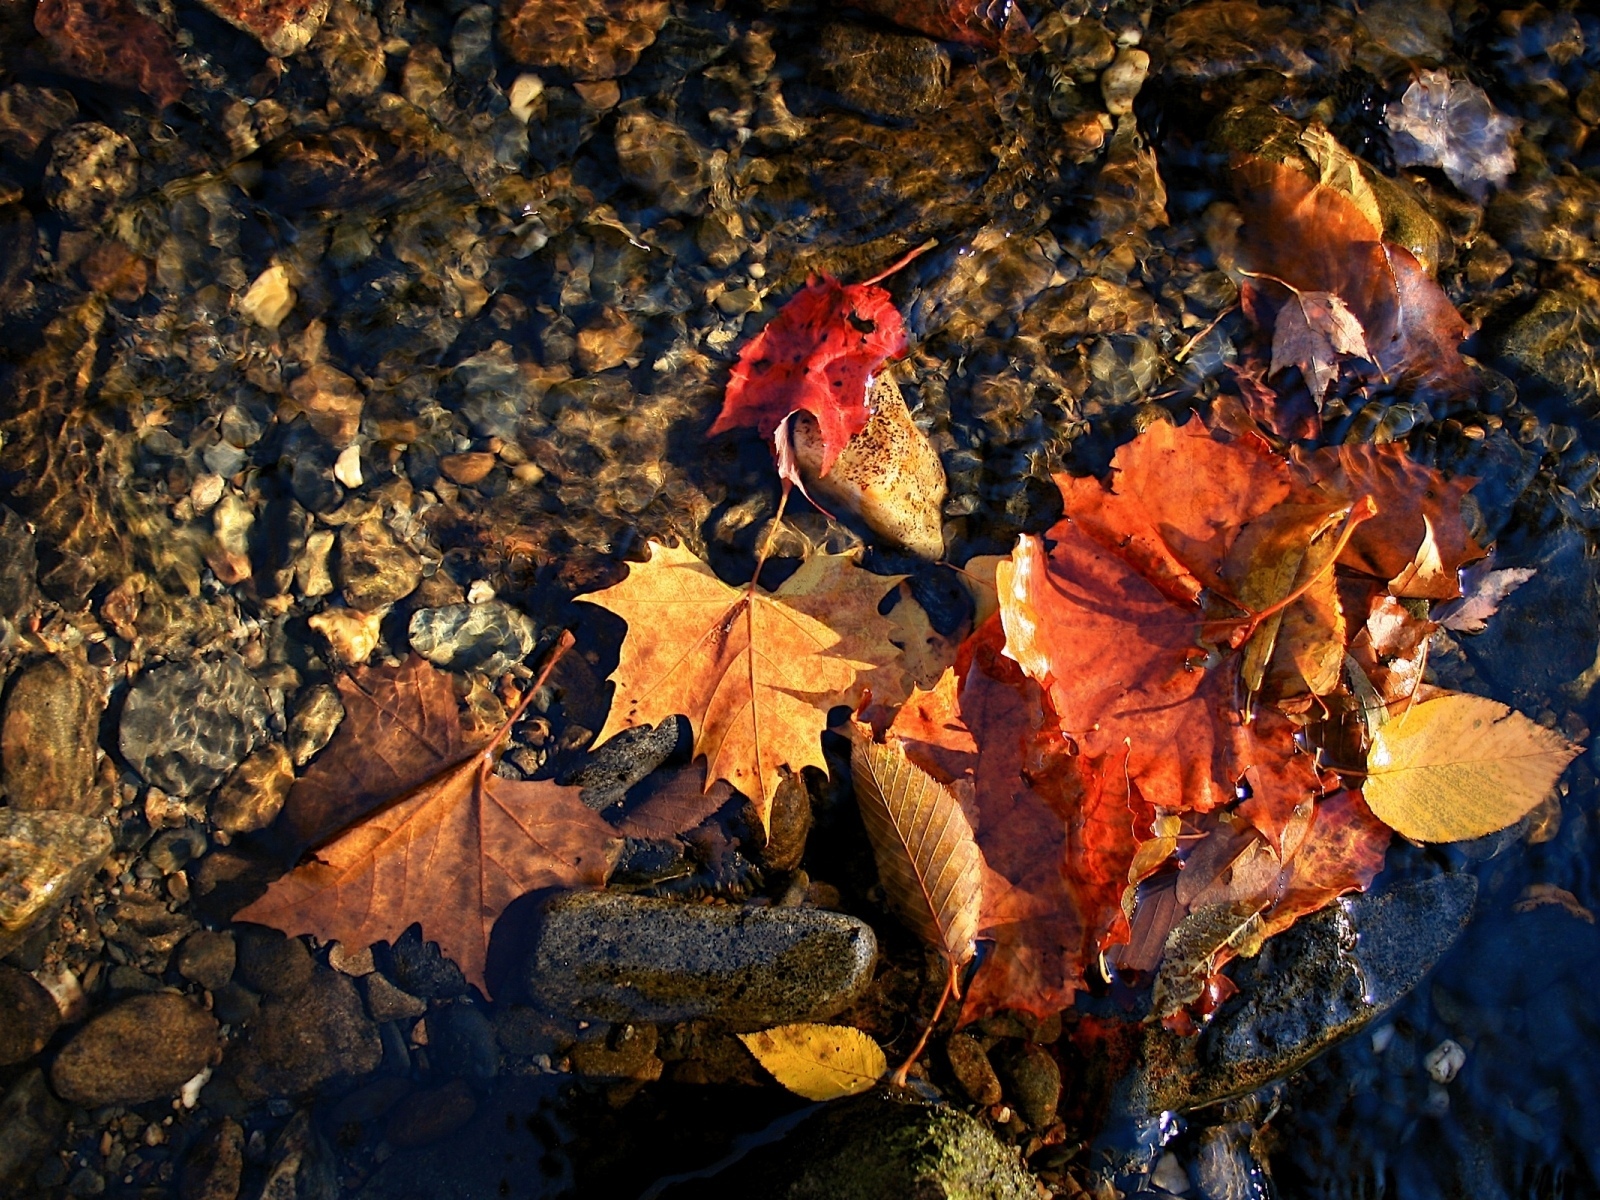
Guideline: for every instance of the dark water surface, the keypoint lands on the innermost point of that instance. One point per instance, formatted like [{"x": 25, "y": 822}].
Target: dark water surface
[{"x": 438, "y": 304}]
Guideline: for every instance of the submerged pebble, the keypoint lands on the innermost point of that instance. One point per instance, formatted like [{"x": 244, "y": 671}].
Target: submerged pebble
[{"x": 612, "y": 957}]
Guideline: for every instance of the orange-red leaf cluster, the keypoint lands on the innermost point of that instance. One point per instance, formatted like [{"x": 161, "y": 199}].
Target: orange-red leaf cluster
[{"x": 1140, "y": 708}]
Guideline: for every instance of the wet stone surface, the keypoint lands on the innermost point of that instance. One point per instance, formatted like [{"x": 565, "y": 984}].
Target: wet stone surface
[
  {"x": 186, "y": 725},
  {"x": 45, "y": 859},
  {"x": 620, "y": 958},
  {"x": 489, "y": 637},
  {"x": 49, "y": 738},
  {"x": 142, "y": 1049}
]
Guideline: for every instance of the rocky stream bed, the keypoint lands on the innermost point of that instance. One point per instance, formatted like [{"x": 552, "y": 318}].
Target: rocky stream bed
[{"x": 336, "y": 332}]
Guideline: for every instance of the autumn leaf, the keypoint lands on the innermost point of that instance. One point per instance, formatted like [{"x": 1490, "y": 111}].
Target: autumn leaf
[
  {"x": 818, "y": 355},
  {"x": 674, "y": 802},
  {"x": 1316, "y": 239},
  {"x": 837, "y": 592},
  {"x": 752, "y": 672},
  {"x": 112, "y": 42},
  {"x": 401, "y": 724},
  {"x": 927, "y": 858},
  {"x": 988, "y": 23},
  {"x": 1313, "y": 330},
  {"x": 1460, "y": 767},
  {"x": 1413, "y": 501},
  {"x": 451, "y": 852},
  {"x": 819, "y": 1062},
  {"x": 1483, "y": 590}
]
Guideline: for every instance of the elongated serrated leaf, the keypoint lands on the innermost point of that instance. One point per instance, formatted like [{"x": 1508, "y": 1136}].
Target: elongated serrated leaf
[
  {"x": 1460, "y": 767},
  {"x": 927, "y": 857},
  {"x": 819, "y": 1062}
]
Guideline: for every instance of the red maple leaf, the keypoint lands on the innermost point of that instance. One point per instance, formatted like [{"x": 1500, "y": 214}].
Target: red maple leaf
[{"x": 818, "y": 354}]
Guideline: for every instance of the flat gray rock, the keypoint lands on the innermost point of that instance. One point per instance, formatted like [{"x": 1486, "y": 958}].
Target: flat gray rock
[
  {"x": 185, "y": 726},
  {"x": 45, "y": 859},
  {"x": 610, "y": 957}
]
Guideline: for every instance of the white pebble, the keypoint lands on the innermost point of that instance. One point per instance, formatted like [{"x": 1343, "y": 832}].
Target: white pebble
[
  {"x": 525, "y": 93},
  {"x": 1170, "y": 1176},
  {"x": 347, "y": 467},
  {"x": 1444, "y": 1060},
  {"x": 479, "y": 592},
  {"x": 190, "y": 1095}
]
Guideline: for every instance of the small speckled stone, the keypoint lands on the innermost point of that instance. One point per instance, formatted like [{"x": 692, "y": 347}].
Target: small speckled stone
[
  {"x": 186, "y": 725},
  {"x": 613, "y": 957},
  {"x": 48, "y": 742},
  {"x": 28, "y": 1016},
  {"x": 92, "y": 168},
  {"x": 143, "y": 1049},
  {"x": 1034, "y": 1082},
  {"x": 375, "y": 569},
  {"x": 888, "y": 475},
  {"x": 973, "y": 1071},
  {"x": 488, "y": 637},
  {"x": 45, "y": 859},
  {"x": 255, "y": 792}
]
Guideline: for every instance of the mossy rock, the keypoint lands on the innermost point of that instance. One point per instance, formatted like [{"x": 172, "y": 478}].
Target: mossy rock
[{"x": 877, "y": 1146}]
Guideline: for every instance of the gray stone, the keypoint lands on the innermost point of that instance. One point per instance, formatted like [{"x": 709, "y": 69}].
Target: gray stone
[
  {"x": 28, "y": 1016},
  {"x": 45, "y": 860},
  {"x": 144, "y": 1048},
  {"x": 92, "y": 169},
  {"x": 385, "y": 1002},
  {"x": 613, "y": 957},
  {"x": 490, "y": 637},
  {"x": 295, "y": 1044},
  {"x": 877, "y": 1146},
  {"x": 605, "y": 776},
  {"x": 1034, "y": 1084},
  {"x": 1310, "y": 987},
  {"x": 30, "y": 1122},
  {"x": 272, "y": 964},
  {"x": 425, "y": 1117},
  {"x": 207, "y": 957},
  {"x": 49, "y": 738},
  {"x": 374, "y": 569},
  {"x": 662, "y": 160},
  {"x": 186, "y": 725}
]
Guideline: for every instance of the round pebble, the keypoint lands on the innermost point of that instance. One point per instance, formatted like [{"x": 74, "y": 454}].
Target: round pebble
[{"x": 143, "y": 1049}]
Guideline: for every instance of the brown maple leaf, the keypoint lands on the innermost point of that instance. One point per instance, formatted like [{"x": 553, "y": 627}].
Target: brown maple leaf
[
  {"x": 752, "y": 671},
  {"x": 451, "y": 850},
  {"x": 1313, "y": 330}
]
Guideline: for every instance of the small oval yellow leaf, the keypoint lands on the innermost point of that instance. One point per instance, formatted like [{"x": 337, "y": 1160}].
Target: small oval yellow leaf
[
  {"x": 819, "y": 1062},
  {"x": 1460, "y": 767}
]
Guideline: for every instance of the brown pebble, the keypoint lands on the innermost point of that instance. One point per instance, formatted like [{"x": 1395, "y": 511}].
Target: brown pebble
[
  {"x": 467, "y": 469},
  {"x": 28, "y": 1016},
  {"x": 973, "y": 1071},
  {"x": 143, "y": 1049}
]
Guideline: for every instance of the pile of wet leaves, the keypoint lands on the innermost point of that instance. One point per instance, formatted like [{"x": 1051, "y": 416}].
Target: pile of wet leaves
[{"x": 341, "y": 331}]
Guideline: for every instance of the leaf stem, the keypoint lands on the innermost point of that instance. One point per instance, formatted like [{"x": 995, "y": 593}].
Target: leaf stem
[
  {"x": 898, "y": 1079},
  {"x": 772, "y": 534},
  {"x": 547, "y": 664},
  {"x": 901, "y": 261},
  {"x": 1359, "y": 512}
]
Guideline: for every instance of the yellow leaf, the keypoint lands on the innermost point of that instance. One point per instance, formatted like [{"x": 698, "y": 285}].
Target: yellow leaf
[
  {"x": 837, "y": 591},
  {"x": 819, "y": 1062},
  {"x": 753, "y": 673},
  {"x": 1460, "y": 767}
]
